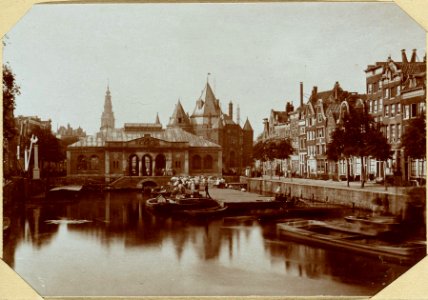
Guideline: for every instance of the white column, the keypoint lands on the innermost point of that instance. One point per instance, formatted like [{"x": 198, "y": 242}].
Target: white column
[
  {"x": 186, "y": 162},
  {"x": 36, "y": 170}
]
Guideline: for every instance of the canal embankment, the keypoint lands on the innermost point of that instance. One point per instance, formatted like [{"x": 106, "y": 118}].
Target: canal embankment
[{"x": 394, "y": 199}]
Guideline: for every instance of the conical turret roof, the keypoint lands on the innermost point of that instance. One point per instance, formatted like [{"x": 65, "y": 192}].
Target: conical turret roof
[
  {"x": 207, "y": 104},
  {"x": 247, "y": 126},
  {"x": 179, "y": 116}
]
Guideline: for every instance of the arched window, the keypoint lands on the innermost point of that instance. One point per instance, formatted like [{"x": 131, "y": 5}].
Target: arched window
[
  {"x": 147, "y": 165},
  {"x": 133, "y": 165},
  {"x": 196, "y": 162},
  {"x": 82, "y": 162},
  {"x": 94, "y": 163},
  {"x": 208, "y": 162}
]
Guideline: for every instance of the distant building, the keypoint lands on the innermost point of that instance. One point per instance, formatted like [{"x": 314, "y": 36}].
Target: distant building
[
  {"x": 309, "y": 128},
  {"x": 206, "y": 142},
  {"x": 210, "y": 122},
  {"x": 397, "y": 93},
  {"x": 69, "y": 132}
]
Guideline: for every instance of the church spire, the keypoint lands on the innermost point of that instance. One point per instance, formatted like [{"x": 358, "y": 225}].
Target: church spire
[
  {"x": 157, "y": 119},
  {"x": 107, "y": 117}
]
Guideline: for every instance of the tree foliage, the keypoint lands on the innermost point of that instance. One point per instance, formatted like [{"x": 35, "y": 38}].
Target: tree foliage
[
  {"x": 414, "y": 138},
  {"x": 270, "y": 149},
  {"x": 358, "y": 136},
  {"x": 10, "y": 91},
  {"x": 50, "y": 148}
]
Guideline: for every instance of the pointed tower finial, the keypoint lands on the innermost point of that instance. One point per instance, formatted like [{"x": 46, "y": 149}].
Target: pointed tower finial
[
  {"x": 208, "y": 77},
  {"x": 157, "y": 118}
]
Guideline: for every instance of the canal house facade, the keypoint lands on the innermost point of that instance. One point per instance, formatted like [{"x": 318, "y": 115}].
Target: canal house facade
[{"x": 396, "y": 94}]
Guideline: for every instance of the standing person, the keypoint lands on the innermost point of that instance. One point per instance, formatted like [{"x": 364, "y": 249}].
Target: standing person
[{"x": 206, "y": 190}]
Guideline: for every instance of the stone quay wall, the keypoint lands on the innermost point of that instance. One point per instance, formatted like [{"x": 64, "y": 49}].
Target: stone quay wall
[{"x": 361, "y": 198}]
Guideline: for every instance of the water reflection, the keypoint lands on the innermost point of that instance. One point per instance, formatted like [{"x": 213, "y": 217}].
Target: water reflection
[{"x": 118, "y": 248}]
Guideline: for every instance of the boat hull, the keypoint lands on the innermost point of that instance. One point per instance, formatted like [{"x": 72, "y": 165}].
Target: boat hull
[{"x": 319, "y": 233}]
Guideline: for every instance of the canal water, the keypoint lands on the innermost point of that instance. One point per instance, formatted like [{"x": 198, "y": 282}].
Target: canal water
[{"x": 107, "y": 244}]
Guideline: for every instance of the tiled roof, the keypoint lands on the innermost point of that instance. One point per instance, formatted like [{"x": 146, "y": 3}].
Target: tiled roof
[
  {"x": 169, "y": 135},
  {"x": 279, "y": 116}
]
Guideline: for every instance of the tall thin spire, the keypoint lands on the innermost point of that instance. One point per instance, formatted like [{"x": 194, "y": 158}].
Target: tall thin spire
[{"x": 107, "y": 117}]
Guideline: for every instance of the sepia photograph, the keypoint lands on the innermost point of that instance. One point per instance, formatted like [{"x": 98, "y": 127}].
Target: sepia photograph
[{"x": 213, "y": 149}]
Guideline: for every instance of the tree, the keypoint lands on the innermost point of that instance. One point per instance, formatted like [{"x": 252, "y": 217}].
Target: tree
[
  {"x": 357, "y": 136},
  {"x": 413, "y": 139},
  {"x": 271, "y": 149},
  {"x": 10, "y": 92},
  {"x": 51, "y": 150},
  {"x": 378, "y": 147}
]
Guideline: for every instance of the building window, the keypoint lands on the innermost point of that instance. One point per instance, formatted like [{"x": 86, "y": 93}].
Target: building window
[
  {"x": 196, "y": 162},
  {"x": 386, "y": 93},
  {"x": 393, "y": 133},
  {"x": 393, "y": 92},
  {"x": 369, "y": 88},
  {"x": 208, "y": 162},
  {"x": 406, "y": 112},
  {"x": 375, "y": 106},
  {"x": 320, "y": 132},
  {"x": 386, "y": 110},
  {"x": 375, "y": 86},
  {"x": 414, "y": 110},
  {"x": 370, "y": 106},
  {"x": 399, "y": 132},
  {"x": 82, "y": 163},
  {"x": 398, "y": 108},
  {"x": 392, "y": 110},
  {"x": 387, "y": 132}
]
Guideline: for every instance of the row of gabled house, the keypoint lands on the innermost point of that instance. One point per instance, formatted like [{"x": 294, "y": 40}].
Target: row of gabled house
[{"x": 395, "y": 94}]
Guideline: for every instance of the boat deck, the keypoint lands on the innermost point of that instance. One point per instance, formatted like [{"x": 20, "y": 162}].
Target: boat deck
[{"x": 231, "y": 195}]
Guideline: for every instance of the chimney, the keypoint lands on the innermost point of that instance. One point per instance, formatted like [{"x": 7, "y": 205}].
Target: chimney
[
  {"x": 266, "y": 127},
  {"x": 336, "y": 87},
  {"x": 315, "y": 91},
  {"x": 413, "y": 59},
  {"x": 301, "y": 94},
  {"x": 238, "y": 115},
  {"x": 231, "y": 110},
  {"x": 404, "y": 56}
]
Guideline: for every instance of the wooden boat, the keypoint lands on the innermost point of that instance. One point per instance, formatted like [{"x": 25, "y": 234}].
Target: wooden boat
[
  {"x": 380, "y": 224},
  {"x": 203, "y": 212},
  {"x": 322, "y": 233},
  {"x": 190, "y": 206},
  {"x": 66, "y": 192}
]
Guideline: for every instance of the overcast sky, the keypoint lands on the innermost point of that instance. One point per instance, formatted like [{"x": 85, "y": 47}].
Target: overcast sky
[{"x": 154, "y": 54}]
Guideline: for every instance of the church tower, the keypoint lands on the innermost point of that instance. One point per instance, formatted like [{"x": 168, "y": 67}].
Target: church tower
[
  {"x": 247, "y": 144},
  {"x": 107, "y": 118}
]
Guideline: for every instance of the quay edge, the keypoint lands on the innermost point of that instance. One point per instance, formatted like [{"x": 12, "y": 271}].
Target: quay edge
[{"x": 332, "y": 193}]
